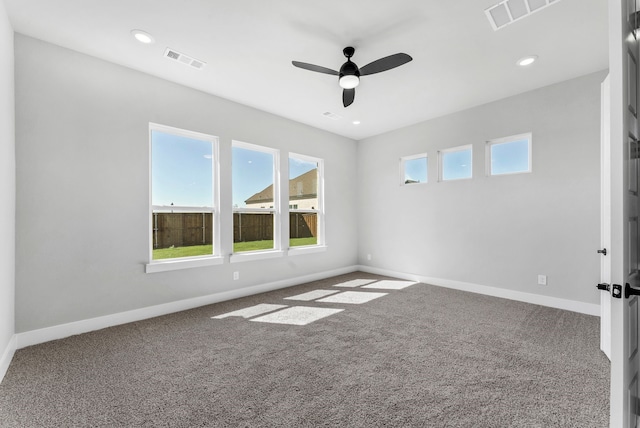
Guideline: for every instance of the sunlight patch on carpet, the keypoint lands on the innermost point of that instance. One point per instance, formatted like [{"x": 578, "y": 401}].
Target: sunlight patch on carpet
[
  {"x": 387, "y": 284},
  {"x": 251, "y": 311},
  {"x": 297, "y": 315},
  {"x": 352, "y": 297},
  {"x": 355, "y": 283},
  {"x": 312, "y": 295}
]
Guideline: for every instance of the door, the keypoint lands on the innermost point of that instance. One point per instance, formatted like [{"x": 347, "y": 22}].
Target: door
[
  {"x": 623, "y": 72},
  {"x": 605, "y": 219}
]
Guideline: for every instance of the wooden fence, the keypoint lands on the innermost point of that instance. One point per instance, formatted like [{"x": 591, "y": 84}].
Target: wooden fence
[
  {"x": 252, "y": 227},
  {"x": 187, "y": 229},
  {"x": 303, "y": 225},
  {"x": 182, "y": 229},
  {"x": 259, "y": 226}
]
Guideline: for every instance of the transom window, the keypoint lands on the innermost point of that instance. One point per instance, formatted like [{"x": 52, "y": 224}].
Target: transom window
[
  {"x": 455, "y": 163},
  {"x": 509, "y": 155},
  {"x": 413, "y": 169}
]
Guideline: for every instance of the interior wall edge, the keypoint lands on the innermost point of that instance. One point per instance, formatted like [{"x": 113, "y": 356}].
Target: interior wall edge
[
  {"x": 47, "y": 334},
  {"x": 535, "y": 299},
  {"x": 7, "y": 356},
  {"x": 7, "y": 192}
]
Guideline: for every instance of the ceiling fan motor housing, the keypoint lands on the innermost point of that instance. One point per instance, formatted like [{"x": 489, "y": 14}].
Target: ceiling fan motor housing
[
  {"x": 349, "y": 76},
  {"x": 349, "y": 69}
]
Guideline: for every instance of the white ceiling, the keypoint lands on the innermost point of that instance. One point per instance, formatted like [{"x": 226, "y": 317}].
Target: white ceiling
[{"x": 459, "y": 61}]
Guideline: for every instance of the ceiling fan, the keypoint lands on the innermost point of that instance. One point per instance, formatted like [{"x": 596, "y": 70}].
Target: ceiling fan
[{"x": 349, "y": 74}]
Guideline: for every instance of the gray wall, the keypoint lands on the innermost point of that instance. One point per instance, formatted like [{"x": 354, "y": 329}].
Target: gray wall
[
  {"x": 493, "y": 231},
  {"x": 83, "y": 187},
  {"x": 82, "y": 192},
  {"x": 7, "y": 182}
]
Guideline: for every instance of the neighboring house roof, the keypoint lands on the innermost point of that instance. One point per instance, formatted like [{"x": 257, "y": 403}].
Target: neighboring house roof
[{"x": 306, "y": 190}]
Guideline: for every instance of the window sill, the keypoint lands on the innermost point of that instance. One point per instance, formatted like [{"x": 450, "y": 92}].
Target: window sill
[
  {"x": 311, "y": 249},
  {"x": 255, "y": 255},
  {"x": 175, "y": 264}
]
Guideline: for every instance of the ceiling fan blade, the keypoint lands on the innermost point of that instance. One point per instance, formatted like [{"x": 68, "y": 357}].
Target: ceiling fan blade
[
  {"x": 316, "y": 68},
  {"x": 347, "y": 96},
  {"x": 384, "y": 64}
]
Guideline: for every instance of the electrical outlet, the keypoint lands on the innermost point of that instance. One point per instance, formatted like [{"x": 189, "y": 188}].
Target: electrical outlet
[
  {"x": 236, "y": 276},
  {"x": 542, "y": 279},
  {"x": 368, "y": 256}
]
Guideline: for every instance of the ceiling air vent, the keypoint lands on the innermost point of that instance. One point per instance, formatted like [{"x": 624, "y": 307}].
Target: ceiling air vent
[
  {"x": 509, "y": 11},
  {"x": 331, "y": 115},
  {"x": 185, "y": 59}
]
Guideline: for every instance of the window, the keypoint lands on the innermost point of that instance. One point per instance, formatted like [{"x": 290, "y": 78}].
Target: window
[
  {"x": 455, "y": 163},
  {"x": 510, "y": 155},
  {"x": 413, "y": 169},
  {"x": 184, "y": 209},
  {"x": 305, "y": 201},
  {"x": 256, "y": 222}
]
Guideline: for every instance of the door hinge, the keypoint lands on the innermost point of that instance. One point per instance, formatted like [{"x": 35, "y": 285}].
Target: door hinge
[
  {"x": 603, "y": 251},
  {"x": 604, "y": 287}
]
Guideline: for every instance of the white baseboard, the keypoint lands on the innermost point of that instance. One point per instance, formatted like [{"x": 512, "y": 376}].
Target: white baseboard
[
  {"x": 34, "y": 337},
  {"x": 536, "y": 299},
  {"x": 61, "y": 331},
  {"x": 7, "y": 356}
]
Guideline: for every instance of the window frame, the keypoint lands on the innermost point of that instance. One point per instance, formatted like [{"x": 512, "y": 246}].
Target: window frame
[
  {"x": 505, "y": 140},
  {"x": 276, "y": 210},
  {"x": 215, "y": 258},
  {"x": 441, "y": 154},
  {"x": 319, "y": 210},
  {"x": 403, "y": 161}
]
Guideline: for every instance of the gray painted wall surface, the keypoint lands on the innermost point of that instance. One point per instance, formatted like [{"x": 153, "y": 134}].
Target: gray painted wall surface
[
  {"x": 494, "y": 231},
  {"x": 83, "y": 187},
  {"x": 7, "y": 182}
]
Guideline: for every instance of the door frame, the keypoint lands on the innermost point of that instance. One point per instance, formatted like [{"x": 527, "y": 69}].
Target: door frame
[
  {"x": 605, "y": 216},
  {"x": 622, "y": 401}
]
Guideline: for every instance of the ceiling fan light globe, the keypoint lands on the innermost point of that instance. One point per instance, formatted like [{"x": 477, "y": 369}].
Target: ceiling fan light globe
[{"x": 349, "y": 81}]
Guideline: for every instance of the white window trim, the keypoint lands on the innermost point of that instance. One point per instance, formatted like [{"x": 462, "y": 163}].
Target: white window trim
[
  {"x": 276, "y": 251},
  {"x": 528, "y": 136},
  {"x": 182, "y": 263},
  {"x": 403, "y": 161},
  {"x": 248, "y": 256},
  {"x": 164, "y": 265},
  {"x": 306, "y": 249},
  {"x": 320, "y": 212},
  {"x": 451, "y": 150}
]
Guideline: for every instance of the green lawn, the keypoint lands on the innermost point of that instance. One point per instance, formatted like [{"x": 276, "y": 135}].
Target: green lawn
[
  {"x": 175, "y": 252},
  {"x": 297, "y": 242},
  {"x": 238, "y": 247}
]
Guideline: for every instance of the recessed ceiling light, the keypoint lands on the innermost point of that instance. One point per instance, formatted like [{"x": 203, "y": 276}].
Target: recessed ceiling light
[
  {"x": 143, "y": 37},
  {"x": 527, "y": 60},
  {"x": 356, "y": 122}
]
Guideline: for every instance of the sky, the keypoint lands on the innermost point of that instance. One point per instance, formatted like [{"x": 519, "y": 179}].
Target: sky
[
  {"x": 182, "y": 171},
  {"x": 416, "y": 170},
  {"x": 510, "y": 157},
  {"x": 456, "y": 164}
]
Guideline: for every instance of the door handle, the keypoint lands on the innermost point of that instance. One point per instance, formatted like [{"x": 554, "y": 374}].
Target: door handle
[
  {"x": 603, "y": 251},
  {"x": 630, "y": 291}
]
